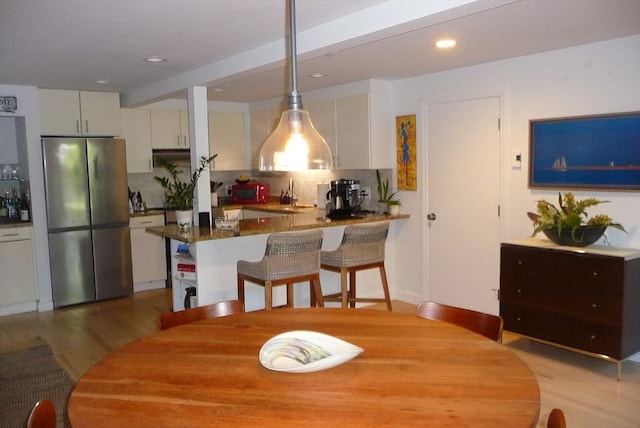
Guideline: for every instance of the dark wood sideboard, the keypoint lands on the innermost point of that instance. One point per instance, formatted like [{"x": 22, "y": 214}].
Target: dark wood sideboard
[{"x": 585, "y": 299}]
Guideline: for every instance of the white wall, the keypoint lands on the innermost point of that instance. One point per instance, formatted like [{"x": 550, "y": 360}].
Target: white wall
[
  {"x": 28, "y": 109},
  {"x": 590, "y": 79}
]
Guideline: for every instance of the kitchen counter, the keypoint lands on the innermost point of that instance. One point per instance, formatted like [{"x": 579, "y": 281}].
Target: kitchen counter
[
  {"x": 293, "y": 218},
  {"x": 11, "y": 223},
  {"x": 209, "y": 266}
]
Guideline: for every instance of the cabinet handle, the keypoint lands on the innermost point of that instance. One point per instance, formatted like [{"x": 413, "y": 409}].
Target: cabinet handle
[
  {"x": 519, "y": 291},
  {"x": 184, "y": 138},
  {"x": 594, "y": 305},
  {"x": 6, "y": 235},
  {"x": 518, "y": 319},
  {"x": 178, "y": 141},
  {"x": 86, "y": 125},
  {"x": 593, "y": 336},
  {"x": 78, "y": 126},
  {"x": 519, "y": 262},
  {"x": 595, "y": 273},
  {"x": 146, "y": 222}
]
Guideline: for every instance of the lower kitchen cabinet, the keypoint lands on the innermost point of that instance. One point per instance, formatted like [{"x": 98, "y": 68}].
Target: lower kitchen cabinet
[
  {"x": 17, "y": 281},
  {"x": 148, "y": 254},
  {"x": 586, "y": 299}
]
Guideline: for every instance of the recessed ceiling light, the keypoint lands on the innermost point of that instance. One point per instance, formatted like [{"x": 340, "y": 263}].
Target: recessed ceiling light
[
  {"x": 102, "y": 82},
  {"x": 317, "y": 75},
  {"x": 155, "y": 59},
  {"x": 445, "y": 43}
]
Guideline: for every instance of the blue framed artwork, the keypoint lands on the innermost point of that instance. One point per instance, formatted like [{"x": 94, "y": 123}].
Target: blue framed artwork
[{"x": 588, "y": 152}]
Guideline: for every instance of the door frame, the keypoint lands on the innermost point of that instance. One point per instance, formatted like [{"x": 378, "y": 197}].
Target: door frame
[{"x": 502, "y": 173}]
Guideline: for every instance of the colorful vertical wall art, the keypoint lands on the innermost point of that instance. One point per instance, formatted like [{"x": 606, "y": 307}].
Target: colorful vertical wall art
[{"x": 406, "y": 152}]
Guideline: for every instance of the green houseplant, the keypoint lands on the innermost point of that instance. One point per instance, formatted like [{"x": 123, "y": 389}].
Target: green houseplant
[
  {"x": 385, "y": 197},
  {"x": 570, "y": 224},
  {"x": 178, "y": 194}
]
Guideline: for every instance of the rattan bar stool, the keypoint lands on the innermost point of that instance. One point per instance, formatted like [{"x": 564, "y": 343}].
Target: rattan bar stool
[
  {"x": 290, "y": 257},
  {"x": 362, "y": 247}
]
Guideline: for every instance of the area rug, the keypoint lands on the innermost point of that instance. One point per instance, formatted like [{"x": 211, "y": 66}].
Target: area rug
[{"x": 27, "y": 376}]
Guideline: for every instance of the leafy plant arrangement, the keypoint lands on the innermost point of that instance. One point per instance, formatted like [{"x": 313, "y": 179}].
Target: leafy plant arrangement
[
  {"x": 571, "y": 215},
  {"x": 383, "y": 189},
  {"x": 179, "y": 194}
]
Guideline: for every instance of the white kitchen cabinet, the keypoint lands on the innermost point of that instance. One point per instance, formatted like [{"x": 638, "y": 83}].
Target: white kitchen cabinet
[
  {"x": 169, "y": 129},
  {"x": 263, "y": 122},
  {"x": 226, "y": 138},
  {"x": 79, "y": 113},
  {"x": 8, "y": 141},
  {"x": 18, "y": 291},
  {"x": 136, "y": 130},
  {"x": 148, "y": 254},
  {"x": 323, "y": 117},
  {"x": 352, "y": 132}
]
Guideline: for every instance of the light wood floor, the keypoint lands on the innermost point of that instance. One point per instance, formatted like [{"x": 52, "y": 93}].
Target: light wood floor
[{"x": 584, "y": 387}]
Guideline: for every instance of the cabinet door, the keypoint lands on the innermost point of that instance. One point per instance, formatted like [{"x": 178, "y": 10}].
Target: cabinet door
[
  {"x": 184, "y": 129},
  {"x": 263, "y": 122},
  {"x": 352, "y": 132},
  {"x": 165, "y": 129},
  {"x": 136, "y": 130},
  {"x": 59, "y": 112},
  {"x": 323, "y": 117},
  {"x": 17, "y": 282},
  {"x": 100, "y": 113},
  {"x": 148, "y": 255},
  {"x": 226, "y": 138},
  {"x": 8, "y": 141}
]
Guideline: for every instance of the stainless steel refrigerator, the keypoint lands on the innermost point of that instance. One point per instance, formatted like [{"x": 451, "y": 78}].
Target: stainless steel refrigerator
[{"x": 87, "y": 218}]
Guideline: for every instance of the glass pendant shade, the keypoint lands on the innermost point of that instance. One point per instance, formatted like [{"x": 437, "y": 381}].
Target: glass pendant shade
[{"x": 295, "y": 145}]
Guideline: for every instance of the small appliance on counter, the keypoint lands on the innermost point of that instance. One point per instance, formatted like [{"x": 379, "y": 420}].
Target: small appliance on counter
[
  {"x": 343, "y": 198},
  {"x": 250, "y": 193}
]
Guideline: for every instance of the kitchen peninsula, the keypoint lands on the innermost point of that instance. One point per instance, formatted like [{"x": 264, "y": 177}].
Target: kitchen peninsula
[{"x": 210, "y": 264}]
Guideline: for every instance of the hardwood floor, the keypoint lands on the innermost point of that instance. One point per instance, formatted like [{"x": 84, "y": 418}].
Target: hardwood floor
[{"x": 584, "y": 387}]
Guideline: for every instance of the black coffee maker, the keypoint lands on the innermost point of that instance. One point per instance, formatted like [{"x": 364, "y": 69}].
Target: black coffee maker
[{"x": 344, "y": 198}]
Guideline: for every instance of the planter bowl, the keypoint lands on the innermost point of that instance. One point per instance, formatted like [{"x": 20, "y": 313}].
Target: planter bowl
[{"x": 580, "y": 237}]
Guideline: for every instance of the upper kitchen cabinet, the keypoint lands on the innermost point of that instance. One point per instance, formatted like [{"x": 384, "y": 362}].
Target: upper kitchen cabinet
[
  {"x": 79, "y": 113},
  {"x": 136, "y": 130},
  {"x": 8, "y": 141},
  {"x": 352, "y": 132},
  {"x": 169, "y": 129},
  {"x": 323, "y": 117},
  {"x": 263, "y": 122},
  {"x": 226, "y": 139}
]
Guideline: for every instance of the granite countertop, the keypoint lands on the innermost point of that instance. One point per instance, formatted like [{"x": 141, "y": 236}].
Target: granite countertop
[{"x": 302, "y": 218}]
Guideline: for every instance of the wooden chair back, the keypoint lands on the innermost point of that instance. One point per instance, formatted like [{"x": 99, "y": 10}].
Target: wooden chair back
[
  {"x": 43, "y": 415},
  {"x": 220, "y": 309},
  {"x": 556, "y": 419},
  {"x": 485, "y": 324}
]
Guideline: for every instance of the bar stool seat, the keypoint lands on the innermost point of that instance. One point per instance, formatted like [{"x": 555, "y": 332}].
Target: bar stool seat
[
  {"x": 289, "y": 258},
  {"x": 362, "y": 248}
]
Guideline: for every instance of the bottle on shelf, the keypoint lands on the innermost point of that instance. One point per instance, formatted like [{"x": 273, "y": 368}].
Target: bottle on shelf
[
  {"x": 25, "y": 210},
  {"x": 12, "y": 204},
  {"x": 4, "y": 213}
]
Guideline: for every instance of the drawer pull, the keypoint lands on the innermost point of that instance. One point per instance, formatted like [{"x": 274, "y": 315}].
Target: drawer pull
[
  {"x": 6, "y": 235},
  {"x": 519, "y": 262},
  {"x": 146, "y": 222},
  {"x": 518, "y": 319},
  {"x": 595, "y": 274},
  {"x": 594, "y": 305},
  {"x": 519, "y": 291},
  {"x": 593, "y": 336}
]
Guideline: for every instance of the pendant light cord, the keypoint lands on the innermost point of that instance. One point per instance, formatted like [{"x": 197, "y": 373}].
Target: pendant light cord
[{"x": 295, "y": 100}]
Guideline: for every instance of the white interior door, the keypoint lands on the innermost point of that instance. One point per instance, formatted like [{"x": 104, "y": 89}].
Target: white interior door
[{"x": 463, "y": 199}]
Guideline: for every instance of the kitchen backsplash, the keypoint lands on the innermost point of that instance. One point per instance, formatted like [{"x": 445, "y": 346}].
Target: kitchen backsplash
[{"x": 305, "y": 183}]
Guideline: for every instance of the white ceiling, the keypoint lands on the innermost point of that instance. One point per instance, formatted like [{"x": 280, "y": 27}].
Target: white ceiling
[{"x": 239, "y": 45}]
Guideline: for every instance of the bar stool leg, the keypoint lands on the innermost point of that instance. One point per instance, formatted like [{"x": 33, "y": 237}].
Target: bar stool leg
[
  {"x": 352, "y": 288},
  {"x": 290, "y": 295},
  {"x": 268, "y": 296},
  {"x": 317, "y": 291},
  {"x": 241, "y": 288},
  {"x": 385, "y": 287},
  {"x": 343, "y": 286}
]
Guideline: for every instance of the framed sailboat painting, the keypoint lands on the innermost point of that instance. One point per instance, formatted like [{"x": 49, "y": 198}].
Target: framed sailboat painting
[{"x": 600, "y": 152}]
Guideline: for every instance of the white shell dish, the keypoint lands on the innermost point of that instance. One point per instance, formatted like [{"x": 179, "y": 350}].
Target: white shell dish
[{"x": 305, "y": 352}]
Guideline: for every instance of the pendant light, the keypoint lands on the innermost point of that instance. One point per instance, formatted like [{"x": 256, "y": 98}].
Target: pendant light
[{"x": 294, "y": 145}]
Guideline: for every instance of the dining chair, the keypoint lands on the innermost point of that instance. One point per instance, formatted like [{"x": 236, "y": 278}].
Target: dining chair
[
  {"x": 219, "y": 309},
  {"x": 43, "y": 415},
  {"x": 289, "y": 258},
  {"x": 556, "y": 419},
  {"x": 487, "y": 325},
  {"x": 362, "y": 248}
]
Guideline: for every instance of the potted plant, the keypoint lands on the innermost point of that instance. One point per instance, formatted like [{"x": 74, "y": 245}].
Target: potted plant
[
  {"x": 385, "y": 198},
  {"x": 394, "y": 207},
  {"x": 178, "y": 194},
  {"x": 569, "y": 224}
]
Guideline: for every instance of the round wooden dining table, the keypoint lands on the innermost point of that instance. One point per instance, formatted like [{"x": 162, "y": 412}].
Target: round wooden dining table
[{"x": 412, "y": 372}]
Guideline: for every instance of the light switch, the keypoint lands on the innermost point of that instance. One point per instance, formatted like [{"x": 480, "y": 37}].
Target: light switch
[{"x": 516, "y": 160}]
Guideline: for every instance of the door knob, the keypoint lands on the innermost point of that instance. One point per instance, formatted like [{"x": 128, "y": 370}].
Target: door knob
[{"x": 431, "y": 216}]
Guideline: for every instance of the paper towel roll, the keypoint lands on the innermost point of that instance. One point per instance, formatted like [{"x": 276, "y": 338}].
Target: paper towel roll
[{"x": 323, "y": 189}]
